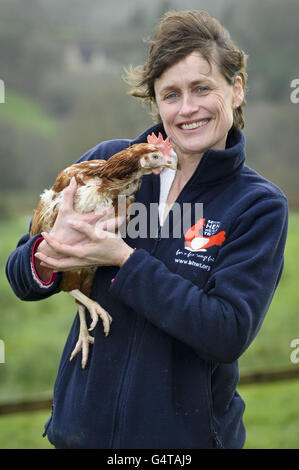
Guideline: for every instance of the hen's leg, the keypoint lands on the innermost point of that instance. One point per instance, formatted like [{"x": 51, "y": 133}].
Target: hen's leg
[
  {"x": 94, "y": 309},
  {"x": 84, "y": 339}
]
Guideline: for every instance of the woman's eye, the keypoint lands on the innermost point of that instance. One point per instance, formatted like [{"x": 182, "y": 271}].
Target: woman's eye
[
  {"x": 171, "y": 96},
  {"x": 201, "y": 89}
]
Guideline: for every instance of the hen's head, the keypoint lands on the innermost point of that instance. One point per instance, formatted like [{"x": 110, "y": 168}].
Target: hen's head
[
  {"x": 143, "y": 159},
  {"x": 151, "y": 159},
  {"x": 158, "y": 154}
]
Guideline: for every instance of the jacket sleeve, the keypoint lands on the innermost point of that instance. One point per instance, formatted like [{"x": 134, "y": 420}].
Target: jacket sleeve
[
  {"x": 221, "y": 319},
  {"x": 21, "y": 275}
]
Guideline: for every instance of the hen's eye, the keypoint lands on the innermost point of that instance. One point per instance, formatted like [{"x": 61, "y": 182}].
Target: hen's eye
[{"x": 155, "y": 157}]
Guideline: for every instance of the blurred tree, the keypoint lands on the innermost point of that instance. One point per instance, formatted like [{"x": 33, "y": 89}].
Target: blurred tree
[
  {"x": 138, "y": 19},
  {"x": 28, "y": 160},
  {"x": 27, "y": 49},
  {"x": 106, "y": 112},
  {"x": 268, "y": 31},
  {"x": 163, "y": 7},
  {"x": 89, "y": 102}
]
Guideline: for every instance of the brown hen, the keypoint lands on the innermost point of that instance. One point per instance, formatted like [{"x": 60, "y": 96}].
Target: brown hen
[{"x": 99, "y": 184}]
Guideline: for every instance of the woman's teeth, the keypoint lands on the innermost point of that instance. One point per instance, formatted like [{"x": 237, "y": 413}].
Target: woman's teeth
[{"x": 194, "y": 125}]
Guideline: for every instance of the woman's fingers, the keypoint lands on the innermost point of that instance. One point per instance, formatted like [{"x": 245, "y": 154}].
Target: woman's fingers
[
  {"x": 84, "y": 228},
  {"x": 68, "y": 196},
  {"x": 94, "y": 217},
  {"x": 70, "y": 257},
  {"x": 110, "y": 225},
  {"x": 61, "y": 264},
  {"x": 95, "y": 232},
  {"x": 99, "y": 245},
  {"x": 60, "y": 248}
]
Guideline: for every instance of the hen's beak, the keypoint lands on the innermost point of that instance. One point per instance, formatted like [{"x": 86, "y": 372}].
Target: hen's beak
[
  {"x": 168, "y": 164},
  {"x": 171, "y": 164}
]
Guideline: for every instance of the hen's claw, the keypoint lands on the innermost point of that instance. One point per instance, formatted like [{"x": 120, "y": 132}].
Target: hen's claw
[
  {"x": 84, "y": 339},
  {"x": 82, "y": 344},
  {"x": 97, "y": 311}
]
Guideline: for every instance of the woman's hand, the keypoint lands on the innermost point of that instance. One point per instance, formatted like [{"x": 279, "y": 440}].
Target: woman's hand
[
  {"x": 62, "y": 230},
  {"x": 81, "y": 240},
  {"x": 100, "y": 247}
]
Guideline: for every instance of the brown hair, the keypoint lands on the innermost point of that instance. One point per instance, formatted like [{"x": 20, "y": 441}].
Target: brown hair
[{"x": 178, "y": 34}]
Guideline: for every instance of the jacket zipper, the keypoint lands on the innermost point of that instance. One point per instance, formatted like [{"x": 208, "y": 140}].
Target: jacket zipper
[
  {"x": 116, "y": 432},
  {"x": 217, "y": 442},
  {"x": 48, "y": 422},
  {"x": 157, "y": 239}
]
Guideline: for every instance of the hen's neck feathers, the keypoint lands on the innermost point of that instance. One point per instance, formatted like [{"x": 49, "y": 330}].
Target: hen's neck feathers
[
  {"x": 121, "y": 166},
  {"x": 122, "y": 169}
]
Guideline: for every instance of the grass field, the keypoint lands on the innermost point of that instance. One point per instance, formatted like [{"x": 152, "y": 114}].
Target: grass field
[
  {"x": 35, "y": 332},
  {"x": 271, "y": 420},
  {"x": 24, "y": 112}
]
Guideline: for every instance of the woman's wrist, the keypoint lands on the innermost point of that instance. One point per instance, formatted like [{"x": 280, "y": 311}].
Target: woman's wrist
[
  {"x": 129, "y": 251},
  {"x": 45, "y": 275}
]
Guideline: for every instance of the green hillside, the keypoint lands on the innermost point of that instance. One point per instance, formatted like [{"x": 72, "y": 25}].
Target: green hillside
[{"x": 26, "y": 113}]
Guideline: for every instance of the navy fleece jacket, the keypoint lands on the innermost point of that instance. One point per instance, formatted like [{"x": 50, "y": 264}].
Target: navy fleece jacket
[{"x": 166, "y": 376}]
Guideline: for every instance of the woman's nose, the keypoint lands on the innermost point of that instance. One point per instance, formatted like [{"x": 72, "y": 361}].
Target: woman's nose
[{"x": 188, "y": 105}]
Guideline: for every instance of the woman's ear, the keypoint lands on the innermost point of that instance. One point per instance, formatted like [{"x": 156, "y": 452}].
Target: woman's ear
[{"x": 238, "y": 92}]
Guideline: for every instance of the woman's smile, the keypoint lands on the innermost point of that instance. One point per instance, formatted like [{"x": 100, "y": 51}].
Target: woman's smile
[{"x": 191, "y": 126}]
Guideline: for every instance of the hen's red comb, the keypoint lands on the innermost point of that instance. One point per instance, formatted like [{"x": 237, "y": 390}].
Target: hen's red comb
[{"x": 163, "y": 145}]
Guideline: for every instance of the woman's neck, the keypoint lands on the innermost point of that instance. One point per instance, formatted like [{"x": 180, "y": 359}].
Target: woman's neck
[
  {"x": 187, "y": 164},
  {"x": 185, "y": 170}
]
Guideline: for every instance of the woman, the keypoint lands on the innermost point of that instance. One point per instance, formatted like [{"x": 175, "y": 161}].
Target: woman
[{"x": 184, "y": 308}]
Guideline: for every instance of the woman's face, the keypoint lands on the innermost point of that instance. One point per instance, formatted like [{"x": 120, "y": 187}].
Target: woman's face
[{"x": 196, "y": 104}]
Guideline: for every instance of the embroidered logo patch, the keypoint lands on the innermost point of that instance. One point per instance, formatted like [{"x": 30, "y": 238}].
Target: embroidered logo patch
[
  {"x": 211, "y": 227},
  {"x": 202, "y": 236}
]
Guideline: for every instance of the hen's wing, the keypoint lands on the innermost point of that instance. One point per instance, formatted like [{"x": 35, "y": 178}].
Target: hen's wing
[{"x": 47, "y": 209}]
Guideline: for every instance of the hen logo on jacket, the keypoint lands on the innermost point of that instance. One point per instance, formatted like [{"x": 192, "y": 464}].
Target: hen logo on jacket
[{"x": 197, "y": 239}]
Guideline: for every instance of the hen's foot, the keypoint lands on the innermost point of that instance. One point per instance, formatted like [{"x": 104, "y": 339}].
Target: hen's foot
[
  {"x": 97, "y": 311},
  {"x": 84, "y": 339},
  {"x": 94, "y": 309}
]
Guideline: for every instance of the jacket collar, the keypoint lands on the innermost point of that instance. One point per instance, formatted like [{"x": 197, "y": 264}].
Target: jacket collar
[{"x": 215, "y": 165}]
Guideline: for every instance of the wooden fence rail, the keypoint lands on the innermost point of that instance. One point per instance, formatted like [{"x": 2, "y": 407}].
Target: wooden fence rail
[
  {"x": 44, "y": 402},
  {"x": 30, "y": 404},
  {"x": 254, "y": 378}
]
